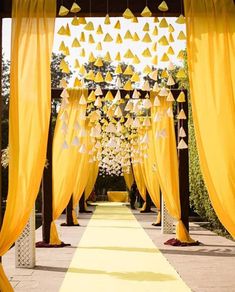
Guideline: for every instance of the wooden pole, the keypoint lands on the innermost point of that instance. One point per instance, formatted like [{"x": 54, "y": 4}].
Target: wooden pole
[{"x": 183, "y": 158}]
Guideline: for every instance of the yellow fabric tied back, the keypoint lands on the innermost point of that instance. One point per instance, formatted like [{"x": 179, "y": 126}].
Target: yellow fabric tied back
[
  {"x": 29, "y": 114},
  {"x": 139, "y": 179},
  {"x": 54, "y": 237},
  {"x": 129, "y": 178},
  {"x": 92, "y": 176},
  {"x": 213, "y": 100},
  {"x": 167, "y": 165},
  {"x": 66, "y": 160}
]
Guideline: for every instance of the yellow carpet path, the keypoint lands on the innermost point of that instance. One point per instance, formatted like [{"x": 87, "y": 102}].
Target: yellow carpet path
[{"x": 116, "y": 255}]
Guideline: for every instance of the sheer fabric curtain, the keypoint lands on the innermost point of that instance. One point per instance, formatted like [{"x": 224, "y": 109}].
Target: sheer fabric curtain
[
  {"x": 30, "y": 106},
  {"x": 211, "y": 58}
]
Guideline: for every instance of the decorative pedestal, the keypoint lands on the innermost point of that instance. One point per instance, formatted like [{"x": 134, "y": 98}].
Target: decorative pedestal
[
  {"x": 167, "y": 220},
  {"x": 25, "y": 245}
]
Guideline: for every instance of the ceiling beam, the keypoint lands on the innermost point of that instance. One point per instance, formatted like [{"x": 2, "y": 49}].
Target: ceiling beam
[{"x": 115, "y": 7}]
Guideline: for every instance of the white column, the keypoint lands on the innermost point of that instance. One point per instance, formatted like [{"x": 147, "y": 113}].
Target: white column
[
  {"x": 167, "y": 220},
  {"x": 25, "y": 245}
]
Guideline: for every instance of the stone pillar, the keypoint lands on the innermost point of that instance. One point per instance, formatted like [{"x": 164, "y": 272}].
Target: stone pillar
[
  {"x": 25, "y": 245},
  {"x": 167, "y": 220}
]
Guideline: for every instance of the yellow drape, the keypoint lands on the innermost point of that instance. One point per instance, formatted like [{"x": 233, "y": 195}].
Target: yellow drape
[
  {"x": 139, "y": 179},
  {"x": 211, "y": 59},
  {"x": 31, "y": 45},
  {"x": 93, "y": 173},
  {"x": 129, "y": 178},
  {"x": 151, "y": 176},
  {"x": 65, "y": 161},
  {"x": 167, "y": 164},
  {"x": 82, "y": 173}
]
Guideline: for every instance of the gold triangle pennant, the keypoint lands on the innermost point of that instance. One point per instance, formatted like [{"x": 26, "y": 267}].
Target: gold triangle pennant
[
  {"x": 182, "y": 144},
  {"x": 99, "y": 47},
  {"x": 82, "y": 37},
  {"x": 118, "y": 57},
  {"x": 107, "y": 57},
  {"x": 77, "y": 83},
  {"x": 76, "y": 64},
  {"x": 180, "y": 19},
  {"x": 146, "y": 38},
  {"x": 170, "y": 97},
  {"x": 146, "y": 12},
  {"x": 134, "y": 20},
  {"x": 118, "y": 69},
  {"x": 108, "y": 77},
  {"x": 146, "y": 53},
  {"x": 63, "y": 11},
  {"x": 89, "y": 26},
  {"x": 99, "y": 78},
  {"x": 107, "y": 20},
  {"x": 170, "y": 51},
  {"x": 155, "y": 60},
  {"x": 128, "y": 86},
  {"x": 62, "y": 30},
  {"x": 164, "y": 74},
  {"x": 62, "y": 46},
  {"x": 135, "y": 37},
  {"x": 128, "y": 71},
  {"x": 181, "y": 115},
  {"x": 75, "y": 43},
  {"x": 75, "y": 8},
  {"x": 155, "y": 20},
  {"x": 119, "y": 39},
  {"x": 83, "y": 53},
  {"x": 128, "y": 14},
  {"x": 128, "y": 54},
  {"x": 90, "y": 75},
  {"x": 128, "y": 35},
  {"x": 135, "y": 77},
  {"x": 147, "y": 70},
  {"x": 117, "y": 25},
  {"x": 91, "y": 58},
  {"x": 164, "y": 58},
  {"x": 181, "y": 74},
  {"x": 99, "y": 30},
  {"x": 91, "y": 39},
  {"x": 82, "y": 70},
  {"x": 155, "y": 31},
  {"x": 171, "y": 28},
  {"x": 171, "y": 38},
  {"x": 82, "y": 20},
  {"x": 163, "y": 41},
  {"x": 181, "y": 36},
  {"x": 181, "y": 97},
  {"x": 136, "y": 60},
  {"x": 154, "y": 47},
  {"x": 146, "y": 27},
  {"x": 108, "y": 38},
  {"x": 163, "y": 23},
  {"x": 163, "y": 6},
  {"x": 75, "y": 21},
  {"x": 98, "y": 62}
]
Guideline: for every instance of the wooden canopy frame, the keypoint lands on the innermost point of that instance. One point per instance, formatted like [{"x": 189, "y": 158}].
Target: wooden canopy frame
[{"x": 113, "y": 8}]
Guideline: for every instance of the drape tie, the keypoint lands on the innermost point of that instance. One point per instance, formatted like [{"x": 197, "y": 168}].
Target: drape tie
[
  {"x": 54, "y": 237},
  {"x": 182, "y": 233}
]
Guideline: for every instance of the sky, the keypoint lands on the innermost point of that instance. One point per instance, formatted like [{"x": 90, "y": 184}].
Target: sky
[{"x": 112, "y": 48}]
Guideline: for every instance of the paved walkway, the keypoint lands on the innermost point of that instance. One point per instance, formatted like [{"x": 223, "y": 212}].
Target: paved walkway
[{"x": 209, "y": 267}]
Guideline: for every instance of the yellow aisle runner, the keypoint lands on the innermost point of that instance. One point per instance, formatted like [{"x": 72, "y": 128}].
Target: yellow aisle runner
[{"x": 116, "y": 255}]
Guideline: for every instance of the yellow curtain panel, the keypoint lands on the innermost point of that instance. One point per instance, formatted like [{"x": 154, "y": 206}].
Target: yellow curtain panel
[
  {"x": 139, "y": 179},
  {"x": 129, "y": 178},
  {"x": 30, "y": 95},
  {"x": 92, "y": 176},
  {"x": 211, "y": 59},
  {"x": 66, "y": 145},
  {"x": 167, "y": 163},
  {"x": 151, "y": 176}
]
